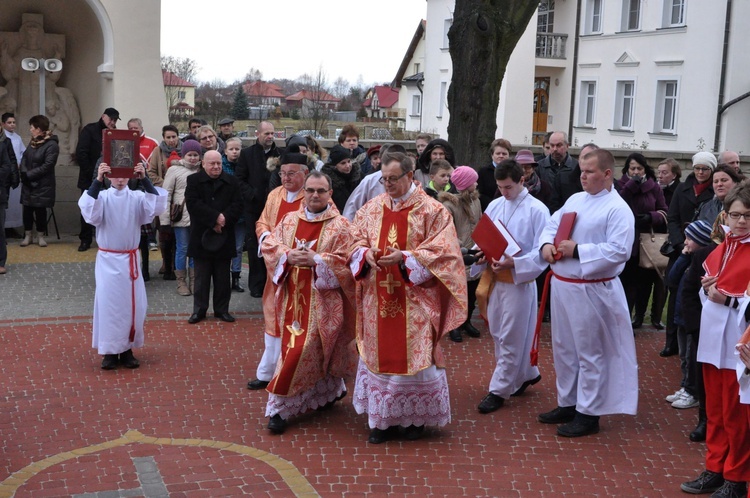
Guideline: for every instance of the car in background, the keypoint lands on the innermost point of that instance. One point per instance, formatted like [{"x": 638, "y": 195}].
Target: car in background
[
  {"x": 381, "y": 134},
  {"x": 312, "y": 133}
]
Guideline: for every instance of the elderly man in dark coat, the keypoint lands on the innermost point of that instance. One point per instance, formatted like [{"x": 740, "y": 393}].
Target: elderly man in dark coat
[{"x": 214, "y": 201}]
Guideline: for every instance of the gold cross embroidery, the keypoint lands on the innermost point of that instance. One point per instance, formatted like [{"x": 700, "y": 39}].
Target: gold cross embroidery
[{"x": 389, "y": 284}]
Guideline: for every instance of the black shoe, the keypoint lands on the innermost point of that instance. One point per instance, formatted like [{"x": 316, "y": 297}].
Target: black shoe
[
  {"x": 169, "y": 276},
  {"x": 146, "y": 276},
  {"x": 455, "y": 335},
  {"x": 731, "y": 489},
  {"x": 637, "y": 322},
  {"x": 378, "y": 436},
  {"x": 527, "y": 384},
  {"x": 582, "y": 425},
  {"x": 699, "y": 433},
  {"x": 490, "y": 403},
  {"x": 85, "y": 246},
  {"x": 236, "y": 285},
  {"x": 413, "y": 432},
  {"x": 668, "y": 352},
  {"x": 256, "y": 293},
  {"x": 330, "y": 404},
  {"x": 276, "y": 424},
  {"x": 560, "y": 415},
  {"x": 470, "y": 329},
  {"x": 109, "y": 362},
  {"x": 257, "y": 384},
  {"x": 196, "y": 317},
  {"x": 127, "y": 359},
  {"x": 657, "y": 324},
  {"x": 707, "y": 482},
  {"x": 224, "y": 317}
]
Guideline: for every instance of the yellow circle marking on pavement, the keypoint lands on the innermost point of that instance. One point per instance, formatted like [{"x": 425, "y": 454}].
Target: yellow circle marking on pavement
[{"x": 288, "y": 472}]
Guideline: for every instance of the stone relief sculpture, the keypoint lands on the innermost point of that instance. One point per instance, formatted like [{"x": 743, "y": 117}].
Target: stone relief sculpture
[{"x": 21, "y": 91}]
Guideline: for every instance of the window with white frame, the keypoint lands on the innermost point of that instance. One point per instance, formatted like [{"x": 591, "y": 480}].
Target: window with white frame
[
  {"x": 631, "y": 15},
  {"x": 587, "y": 104},
  {"x": 416, "y": 67},
  {"x": 446, "y": 27},
  {"x": 674, "y": 13},
  {"x": 625, "y": 104},
  {"x": 443, "y": 95},
  {"x": 593, "y": 13},
  {"x": 416, "y": 105},
  {"x": 665, "y": 118}
]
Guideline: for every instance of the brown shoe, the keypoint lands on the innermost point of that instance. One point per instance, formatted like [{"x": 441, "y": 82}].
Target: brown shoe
[{"x": 3, "y": 271}]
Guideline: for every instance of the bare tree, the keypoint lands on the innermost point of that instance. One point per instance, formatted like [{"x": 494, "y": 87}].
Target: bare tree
[
  {"x": 317, "y": 104},
  {"x": 177, "y": 70},
  {"x": 482, "y": 38},
  {"x": 253, "y": 75},
  {"x": 340, "y": 88}
]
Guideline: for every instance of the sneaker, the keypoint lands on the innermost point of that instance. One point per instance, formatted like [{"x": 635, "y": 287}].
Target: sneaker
[
  {"x": 686, "y": 401},
  {"x": 731, "y": 489},
  {"x": 707, "y": 482},
  {"x": 674, "y": 397}
]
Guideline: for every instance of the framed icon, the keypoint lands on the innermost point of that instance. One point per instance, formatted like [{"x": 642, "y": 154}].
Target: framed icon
[{"x": 121, "y": 150}]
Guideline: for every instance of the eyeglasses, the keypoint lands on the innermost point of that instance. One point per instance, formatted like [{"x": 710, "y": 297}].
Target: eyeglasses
[
  {"x": 736, "y": 216},
  {"x": 319, "y": 191},
  {"x": 288, "y": 173},
  {"x": 209, "y": 137},
  {"x": 392, "y": 180},
  {"x": 701, "y": 168}
]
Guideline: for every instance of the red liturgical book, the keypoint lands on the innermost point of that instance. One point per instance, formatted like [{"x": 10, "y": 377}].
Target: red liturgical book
[
  {"x": 564, "y": 230},
  {"x": 494, "y": 239}
]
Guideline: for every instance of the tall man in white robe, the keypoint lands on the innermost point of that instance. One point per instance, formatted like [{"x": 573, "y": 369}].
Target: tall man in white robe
[
  {"x": 509, "y": 287},
  {"x": 592, "y": 340},
  {"x": 120, "y": 298}
]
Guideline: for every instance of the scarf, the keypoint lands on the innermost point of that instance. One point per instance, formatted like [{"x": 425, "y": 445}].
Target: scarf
[
  {"x": 39, "y": 140},
  {"x": 699, "y": 188},
  {"x": 166, "y": 151},
  {"x": 532, "y": 183},
  {"x": 730, "y": 262}
]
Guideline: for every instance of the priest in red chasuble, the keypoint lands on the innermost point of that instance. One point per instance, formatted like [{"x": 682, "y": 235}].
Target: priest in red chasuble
[
  {"x": 314, "y": 303},
  {"x": 282, "y": 200},
  {"x": 412, "y": 292}
]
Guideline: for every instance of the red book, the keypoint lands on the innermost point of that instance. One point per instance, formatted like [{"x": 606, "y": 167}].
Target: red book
[
  {"x": 494, "y": 239},
  {"x": 564, "y": 230}
]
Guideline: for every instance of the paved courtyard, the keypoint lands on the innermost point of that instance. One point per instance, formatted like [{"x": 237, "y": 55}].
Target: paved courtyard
[{"x": 185, "y": 425}]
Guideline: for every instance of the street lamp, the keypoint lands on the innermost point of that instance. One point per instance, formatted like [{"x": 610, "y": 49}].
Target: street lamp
[{"x": 51, "y": 65}]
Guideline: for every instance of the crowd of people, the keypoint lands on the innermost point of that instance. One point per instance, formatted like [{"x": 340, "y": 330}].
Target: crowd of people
[{"x": 365, "y": 258}]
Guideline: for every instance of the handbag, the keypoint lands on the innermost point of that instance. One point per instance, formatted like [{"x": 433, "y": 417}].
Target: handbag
[
  {"x": 175, "y": 213},
  {"x": 650, "y": 256}
]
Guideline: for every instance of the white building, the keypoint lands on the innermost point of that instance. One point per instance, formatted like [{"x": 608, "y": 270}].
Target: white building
[
  {"x": 635, "y": 74},
  {"x": 409, "y": 81}
]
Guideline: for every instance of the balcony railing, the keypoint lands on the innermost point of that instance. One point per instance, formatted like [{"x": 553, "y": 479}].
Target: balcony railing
[{"x": 551, "y": 45}]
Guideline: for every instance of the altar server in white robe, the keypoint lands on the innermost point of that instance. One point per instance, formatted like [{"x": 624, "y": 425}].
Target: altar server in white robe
[
  {"x": 592, "y": 339},
  {"x": 120, "y": 298},
  {"x": 508, "y": 286}
]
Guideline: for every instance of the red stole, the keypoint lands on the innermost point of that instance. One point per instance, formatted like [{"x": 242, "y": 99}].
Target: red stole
[
  {"x": 297, "y": 304},
  {"x": 733, "y": 256},
  {"x": 390, "y": 287},
  {"x": 286, "y": 207}
]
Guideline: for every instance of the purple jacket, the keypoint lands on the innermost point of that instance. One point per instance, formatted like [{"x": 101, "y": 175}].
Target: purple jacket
[{"x": 644, "y": 198}]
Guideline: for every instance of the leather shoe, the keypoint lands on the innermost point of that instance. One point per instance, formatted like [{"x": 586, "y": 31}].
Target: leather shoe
[
  {"x": 257, "y": 384},
  {"x": 470, "y": 329},
  {"x": 109, "y": 362},
  {"x": 560, "y": 415},
  {"x": 196, "y": 317},
  {"x": 127, "y": 359},
  {"x": 413, "y": 432},
  {"x": 276, "y": 424},
  {"x": 490, "y": 403},
  {"x": 527, "y": 384},
  {"x": 699, "y": 433},
  {"x": 637, "y": 322},
  {"x": 256, "y": 293},
  {"x": 582, "y": 425},
  {"x": 84, "y": 246},
  {"x": 668, "y": 352},
  {"x": 455, "y": 335},
  {"x": 657, "y": 324},
  {"x": 378, "y": 436},
  {"x": 224, "y": 317}
]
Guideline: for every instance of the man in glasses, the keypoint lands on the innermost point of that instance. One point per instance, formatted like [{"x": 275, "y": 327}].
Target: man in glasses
[
  {"x": 413, "y": 287},
  {"x": 306, "y": 254},
  {"x": 282, "y": 200}
]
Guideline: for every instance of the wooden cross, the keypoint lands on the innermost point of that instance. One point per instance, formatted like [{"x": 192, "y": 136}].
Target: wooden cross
[{"x": 389, "y": 284}]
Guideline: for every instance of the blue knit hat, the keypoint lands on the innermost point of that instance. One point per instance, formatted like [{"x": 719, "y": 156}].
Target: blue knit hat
[{"x": 700, "y": 232}]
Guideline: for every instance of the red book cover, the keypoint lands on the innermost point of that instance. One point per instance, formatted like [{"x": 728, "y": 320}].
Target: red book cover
[
  {"x": 494, "y": 239},
  {"x": 121, "y": 151},
  {"x": 564, "y": 230}
]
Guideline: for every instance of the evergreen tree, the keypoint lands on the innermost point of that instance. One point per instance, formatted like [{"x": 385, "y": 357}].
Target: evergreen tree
[{"x": 240, "y": 104}]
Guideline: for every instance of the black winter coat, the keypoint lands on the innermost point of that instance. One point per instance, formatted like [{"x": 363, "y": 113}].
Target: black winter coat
[
  {"x": 684, "y": 208},
  {"x": 486, "y": 185},
  {"x": 88, "y": 150},
  {"x": 254, "y": 178},
  {"x": 205, "y": 199},
  {"x": 37, "y": 172},
  {"x": 342, "y": 185},
  {"x": 8, "y": 171}
]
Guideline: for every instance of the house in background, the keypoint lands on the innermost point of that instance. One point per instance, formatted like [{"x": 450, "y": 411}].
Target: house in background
[
  {"x": 409, "y": 82},
  {"x": 310, "y": 102},
  {"x": 260, "y": 93},
  {"x": 180, "y": 95},
  {"x": 635, "y": 74},
  {"x": 381, "y": 103}
]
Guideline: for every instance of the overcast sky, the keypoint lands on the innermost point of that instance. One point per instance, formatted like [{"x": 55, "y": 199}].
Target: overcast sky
[{"x": 286, "y": 38}]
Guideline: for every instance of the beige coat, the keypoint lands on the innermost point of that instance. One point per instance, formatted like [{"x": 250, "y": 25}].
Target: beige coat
[
  {"x": 175, "y": 183},
  {"x": 466, "y": 210}
]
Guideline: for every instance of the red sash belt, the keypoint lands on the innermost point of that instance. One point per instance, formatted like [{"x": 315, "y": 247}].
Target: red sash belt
[
  {"x": 133, "y": 263},
  {"x": 540, "y": 314}
]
